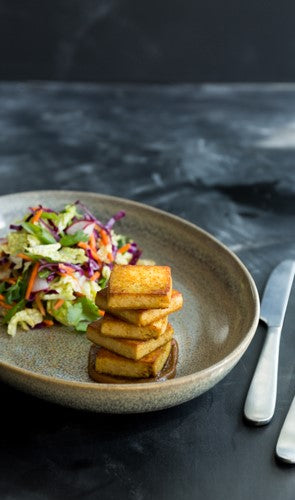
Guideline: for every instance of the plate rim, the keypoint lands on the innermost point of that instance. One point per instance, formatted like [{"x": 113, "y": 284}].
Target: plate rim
[{"x": 184, "y": 379}]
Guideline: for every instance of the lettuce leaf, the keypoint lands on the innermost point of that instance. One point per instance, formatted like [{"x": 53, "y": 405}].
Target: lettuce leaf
[
  {"x": 4, "y": 247},
  {"x": 26, "y": 317},
  {"x": 46, "y": 251},
  {"x": 42, "y": 234},
  {"x": 72, "y": 239},
  {"x": 82, "y": 313},
  {"x": 33, "y": 241},
  {"x": 54, "y": 253},
  {"x": 17, "y": 307},
  {"x": 90, "y": 289},
  {"x": 78, "y": 314},
  {"x": 72, "y": 255},
  {"x": 60, "y": 314},
  {"x": 16, "y": 242},
  {"x": 64, "y": 287},
  {"x": 64, "y": 218},
  {"x": 17, "y": 291},
  {"x": 44, "y": 273}
]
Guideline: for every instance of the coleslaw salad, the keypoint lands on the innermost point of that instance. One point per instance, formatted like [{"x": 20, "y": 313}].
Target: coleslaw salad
[{"x": 52, "y": 264}]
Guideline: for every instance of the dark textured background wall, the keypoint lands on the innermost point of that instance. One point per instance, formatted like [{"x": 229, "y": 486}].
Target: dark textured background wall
[{"x": 147, "y": 40}]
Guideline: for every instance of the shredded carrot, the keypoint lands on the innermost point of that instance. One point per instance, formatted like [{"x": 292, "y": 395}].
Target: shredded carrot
[
  {"x": 102, "y": 313},
  {"x": 58, "y": 304},
  {"x": 11, "y": 281},
  {"x": 83, "y": 245},
  {"x": 110, "y": 257},
  {"x": 96, "y": 257},
  {"x": 92, "y": 242},
  {"x": 24, "y": 256},
  {"x": 6, "y": 306},
  {"x": 104, "y": 237},
  {"x": 95, "y": 276},
  {"x": 37, "y": 216},
  {"x": 32, "y": 280},
  {"x": 67, "y": 269},
  {"x": 124, "y": 248},
  {"x": 2, "y": 297},
  {"x": 40, "y": 305},
  {"x": 48, "y": 322}
]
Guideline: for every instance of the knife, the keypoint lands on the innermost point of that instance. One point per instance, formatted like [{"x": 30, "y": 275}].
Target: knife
[
  {"x": 261, "y": 398},
  {"x": 285, "y": 449}
]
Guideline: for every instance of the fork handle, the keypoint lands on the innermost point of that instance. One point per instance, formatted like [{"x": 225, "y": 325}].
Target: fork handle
[
  {"x": 261, "y": 398},
  {"x": 285, "y": 448}
]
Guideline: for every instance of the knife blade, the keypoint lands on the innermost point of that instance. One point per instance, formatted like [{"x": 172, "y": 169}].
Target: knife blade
[
  {"x": 285, "y": 448},
  {"x": 261, "y": 398}
]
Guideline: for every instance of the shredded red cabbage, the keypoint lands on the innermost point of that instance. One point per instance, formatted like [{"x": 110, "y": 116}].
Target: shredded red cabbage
[
  {"x": 135, "y": 257},
  {"x": 45, "y": 209},
  {"x": 54, "y": 267},
  {"x": 49, "y": 210},
  {"x": 51, "y": 277},
  {"x": 52, "y": 231},
  {"x": 72, "y": 266},
  {"x": 15, "y": 227},
  {"x": 114, "y": 219},
  {"x": 136, "y": 253},
  {"x": 48, "y": 265},
  {"x": 54, "y": 226},
  {"x": 89, "y": 216},
  {"x": 91, "y": 266}
]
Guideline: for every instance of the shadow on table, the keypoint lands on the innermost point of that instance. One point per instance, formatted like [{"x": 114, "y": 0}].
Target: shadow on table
[{"x": 39, "y": 415}]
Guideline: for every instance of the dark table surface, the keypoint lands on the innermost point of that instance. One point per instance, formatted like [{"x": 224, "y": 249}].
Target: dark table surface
[{"x": 220, "y": 156}]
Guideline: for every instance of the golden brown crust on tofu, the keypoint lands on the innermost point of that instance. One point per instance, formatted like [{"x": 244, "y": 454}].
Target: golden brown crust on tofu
[
  {"x": 167, "y": 372},
  {"x": 146, "y": 316},
  {"x": 101, "y": 300},
  {"x": 141, "y": 317},
  {"x": 139, "y": 287},
  {"x": 148, "y": 366},
  {"x": 115, "y": 327},
  {"x": 134, "y": 349}
]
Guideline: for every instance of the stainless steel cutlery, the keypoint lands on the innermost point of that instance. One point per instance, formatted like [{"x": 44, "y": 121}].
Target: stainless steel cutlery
[
  {"x": 261, "y": 398},
  {"x": 285, "y": 449}
]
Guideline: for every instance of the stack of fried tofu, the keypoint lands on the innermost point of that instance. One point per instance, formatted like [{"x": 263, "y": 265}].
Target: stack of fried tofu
[{"x": 133, "y": 340}]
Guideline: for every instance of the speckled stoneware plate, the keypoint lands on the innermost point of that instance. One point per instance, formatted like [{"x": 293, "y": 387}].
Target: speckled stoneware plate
[{"x": 213, "y": 330}]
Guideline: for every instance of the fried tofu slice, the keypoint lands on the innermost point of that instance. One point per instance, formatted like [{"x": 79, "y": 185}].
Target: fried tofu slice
[
  {"x": 139, "y": 287},
  {"x": 141, "y": 317},
  {"x": 167, "y": 372},
  {"x": 133, "y": 349},
  {"x": 149, "y": 366},
  {"x": 115, "y": 327}
]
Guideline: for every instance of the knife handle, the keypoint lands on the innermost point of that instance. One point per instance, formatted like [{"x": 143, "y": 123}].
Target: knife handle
[
  {"x": 285, "y": 449},
  {"x": 261, "y": 399}
]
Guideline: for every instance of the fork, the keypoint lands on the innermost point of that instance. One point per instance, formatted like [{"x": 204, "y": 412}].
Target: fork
[{"x": 285, "y": 449}]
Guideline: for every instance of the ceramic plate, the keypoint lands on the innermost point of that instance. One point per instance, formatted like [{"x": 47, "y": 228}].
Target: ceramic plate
[{"x": 213, "y": 330}]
